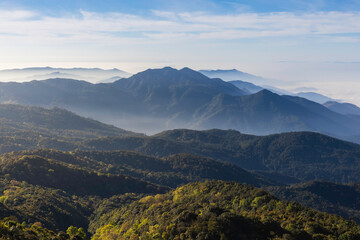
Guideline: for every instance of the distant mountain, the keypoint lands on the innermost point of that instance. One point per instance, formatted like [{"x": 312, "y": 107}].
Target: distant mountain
[
  {"x": 343, "y": 108},
  {"x": 55, "y": 75},
  {"x": 110, "y": 80},
  {"x": 328, "y": 197},
  {"x": 40, "y": 73},
  {"x": 233, "y": 74},
  {"x": 266, "y": 113},
  {"x": 151, "y": 100},
  {"x": 17, "y": 119},
  {"x": 160, "y": 99},
  {"x": 315, "y": 97},
  {"x": 251, "y": 88}
]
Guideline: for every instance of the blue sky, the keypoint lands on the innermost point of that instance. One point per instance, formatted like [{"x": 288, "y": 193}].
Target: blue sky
[
  {"x": 299, "y": 43},
  {"x": 142, "y": 6}
]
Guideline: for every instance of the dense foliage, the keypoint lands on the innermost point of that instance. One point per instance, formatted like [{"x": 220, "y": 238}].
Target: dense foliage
[
  {"x": 171, "y": 171},
  {"x": 10, "y": 228},
  {"x": 55, "y": 174},
  {"x": 222, "y": 210},
  {"x": 328, "y": 197},
  {"x": 83, "y": 188},
  {"x": 54, "y": 208},
  {"x": 304, "y": 156}
]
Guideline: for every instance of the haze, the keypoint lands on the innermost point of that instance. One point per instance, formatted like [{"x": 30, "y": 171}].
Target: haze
[{"x": 313, "y": 44}]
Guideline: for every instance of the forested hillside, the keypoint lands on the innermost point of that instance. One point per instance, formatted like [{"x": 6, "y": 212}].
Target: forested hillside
[
  {"x": 67, "y": 177},
  {"x": 171, "y": 171},
  {"x": 304, "y": 156},
  {"x": 328, "y": 197},
  {"x": 287, "y": 157},
  {"x": 222, "y": 210},
  {"x": 54, "y": 174}
]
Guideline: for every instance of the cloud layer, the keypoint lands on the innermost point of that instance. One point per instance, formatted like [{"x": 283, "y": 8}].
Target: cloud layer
[{"x": 90, "y": 27}]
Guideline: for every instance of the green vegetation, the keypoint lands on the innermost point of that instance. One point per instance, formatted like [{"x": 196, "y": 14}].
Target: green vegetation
[
  {"x": 89, "y": 191},
  {"x": 93, "y": 186},
  {"x": 343, "y": 200},
  {"x": 299, "y": 156},
  {"x": 286, "y": 158},
  {"x": 221, "y": 210},
  {"x": 171, "y": 171},
  {"x": 54, "y": 174},
  {"x": 10, "y": 228},
  {"x": 54, "y": 208}
]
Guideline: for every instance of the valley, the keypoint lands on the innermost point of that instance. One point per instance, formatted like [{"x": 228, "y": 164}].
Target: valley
[{"x": 65, "y": 176}]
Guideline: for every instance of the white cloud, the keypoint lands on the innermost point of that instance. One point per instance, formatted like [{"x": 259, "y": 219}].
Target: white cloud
[
  {"x": 92, "y": 27},
  {"x": 16, "y": 15}
]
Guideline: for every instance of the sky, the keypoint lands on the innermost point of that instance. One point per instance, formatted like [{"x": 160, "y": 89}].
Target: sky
[{"x": 299, "y": 43}]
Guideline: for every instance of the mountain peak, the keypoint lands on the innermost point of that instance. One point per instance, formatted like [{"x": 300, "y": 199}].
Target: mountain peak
[
  {"x": 266, "y": 92},
  {"x": 169, "y": 74}
]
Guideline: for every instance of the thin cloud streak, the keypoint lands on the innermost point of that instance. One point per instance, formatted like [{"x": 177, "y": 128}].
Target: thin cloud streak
[{"x": 92, "y": 27}]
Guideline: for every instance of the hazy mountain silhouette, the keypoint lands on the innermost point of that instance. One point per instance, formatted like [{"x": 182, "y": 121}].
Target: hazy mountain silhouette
[
  {"x": 232, "y": 74},
  {"x": 17, "y": 120},
  {"x": 251, "y": 88},
  {"x": 315, "y": 97},
  {"x": 343, "y": 108},
  {"x": 159, "y": 99},
  {"x": 42, "y": 73}
]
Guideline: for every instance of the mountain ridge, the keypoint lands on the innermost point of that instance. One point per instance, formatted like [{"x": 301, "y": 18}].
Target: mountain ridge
[{"x": 167, "y": 98}]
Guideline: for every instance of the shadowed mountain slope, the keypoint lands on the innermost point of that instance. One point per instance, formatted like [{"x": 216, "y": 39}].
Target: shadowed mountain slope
[
  {"x": 159, "y": 99},
  {"x": 50, "y": 173},
  {"x": 18, "y": 119},
  {"x": 172, "y": 171},
  {"x": 303, "y": 155},
  {"x": 343, "y": 108},
  {"x": 328, "y": 197}
]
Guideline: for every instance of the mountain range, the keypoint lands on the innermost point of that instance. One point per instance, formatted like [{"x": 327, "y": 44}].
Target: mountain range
[
  {"x": 41, "y": 73},
  {"x": 233, "y": 74},
  {"x": 280, "y": 158},
  {"x": 107, "y": 182},
  {"x": 160, "y": 99},
  {"x": 343, "y": 108}
]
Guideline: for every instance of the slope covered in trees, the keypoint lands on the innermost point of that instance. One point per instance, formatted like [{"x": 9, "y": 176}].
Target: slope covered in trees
[
  {"x": 288, "y": 157},
  {"x": 172, "y": 171},
  {"x": 301, "y": 155},
  {"x": 222, "y": 210},
  {"x": 53, "y": 208},
  {"x": 54, "y": 174},
  {"x": 12, "y": 229},
  {"x": 328, "y": 197},
  {"x": 58, "y": 189},
  {"x": 17, "y": 119}
]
